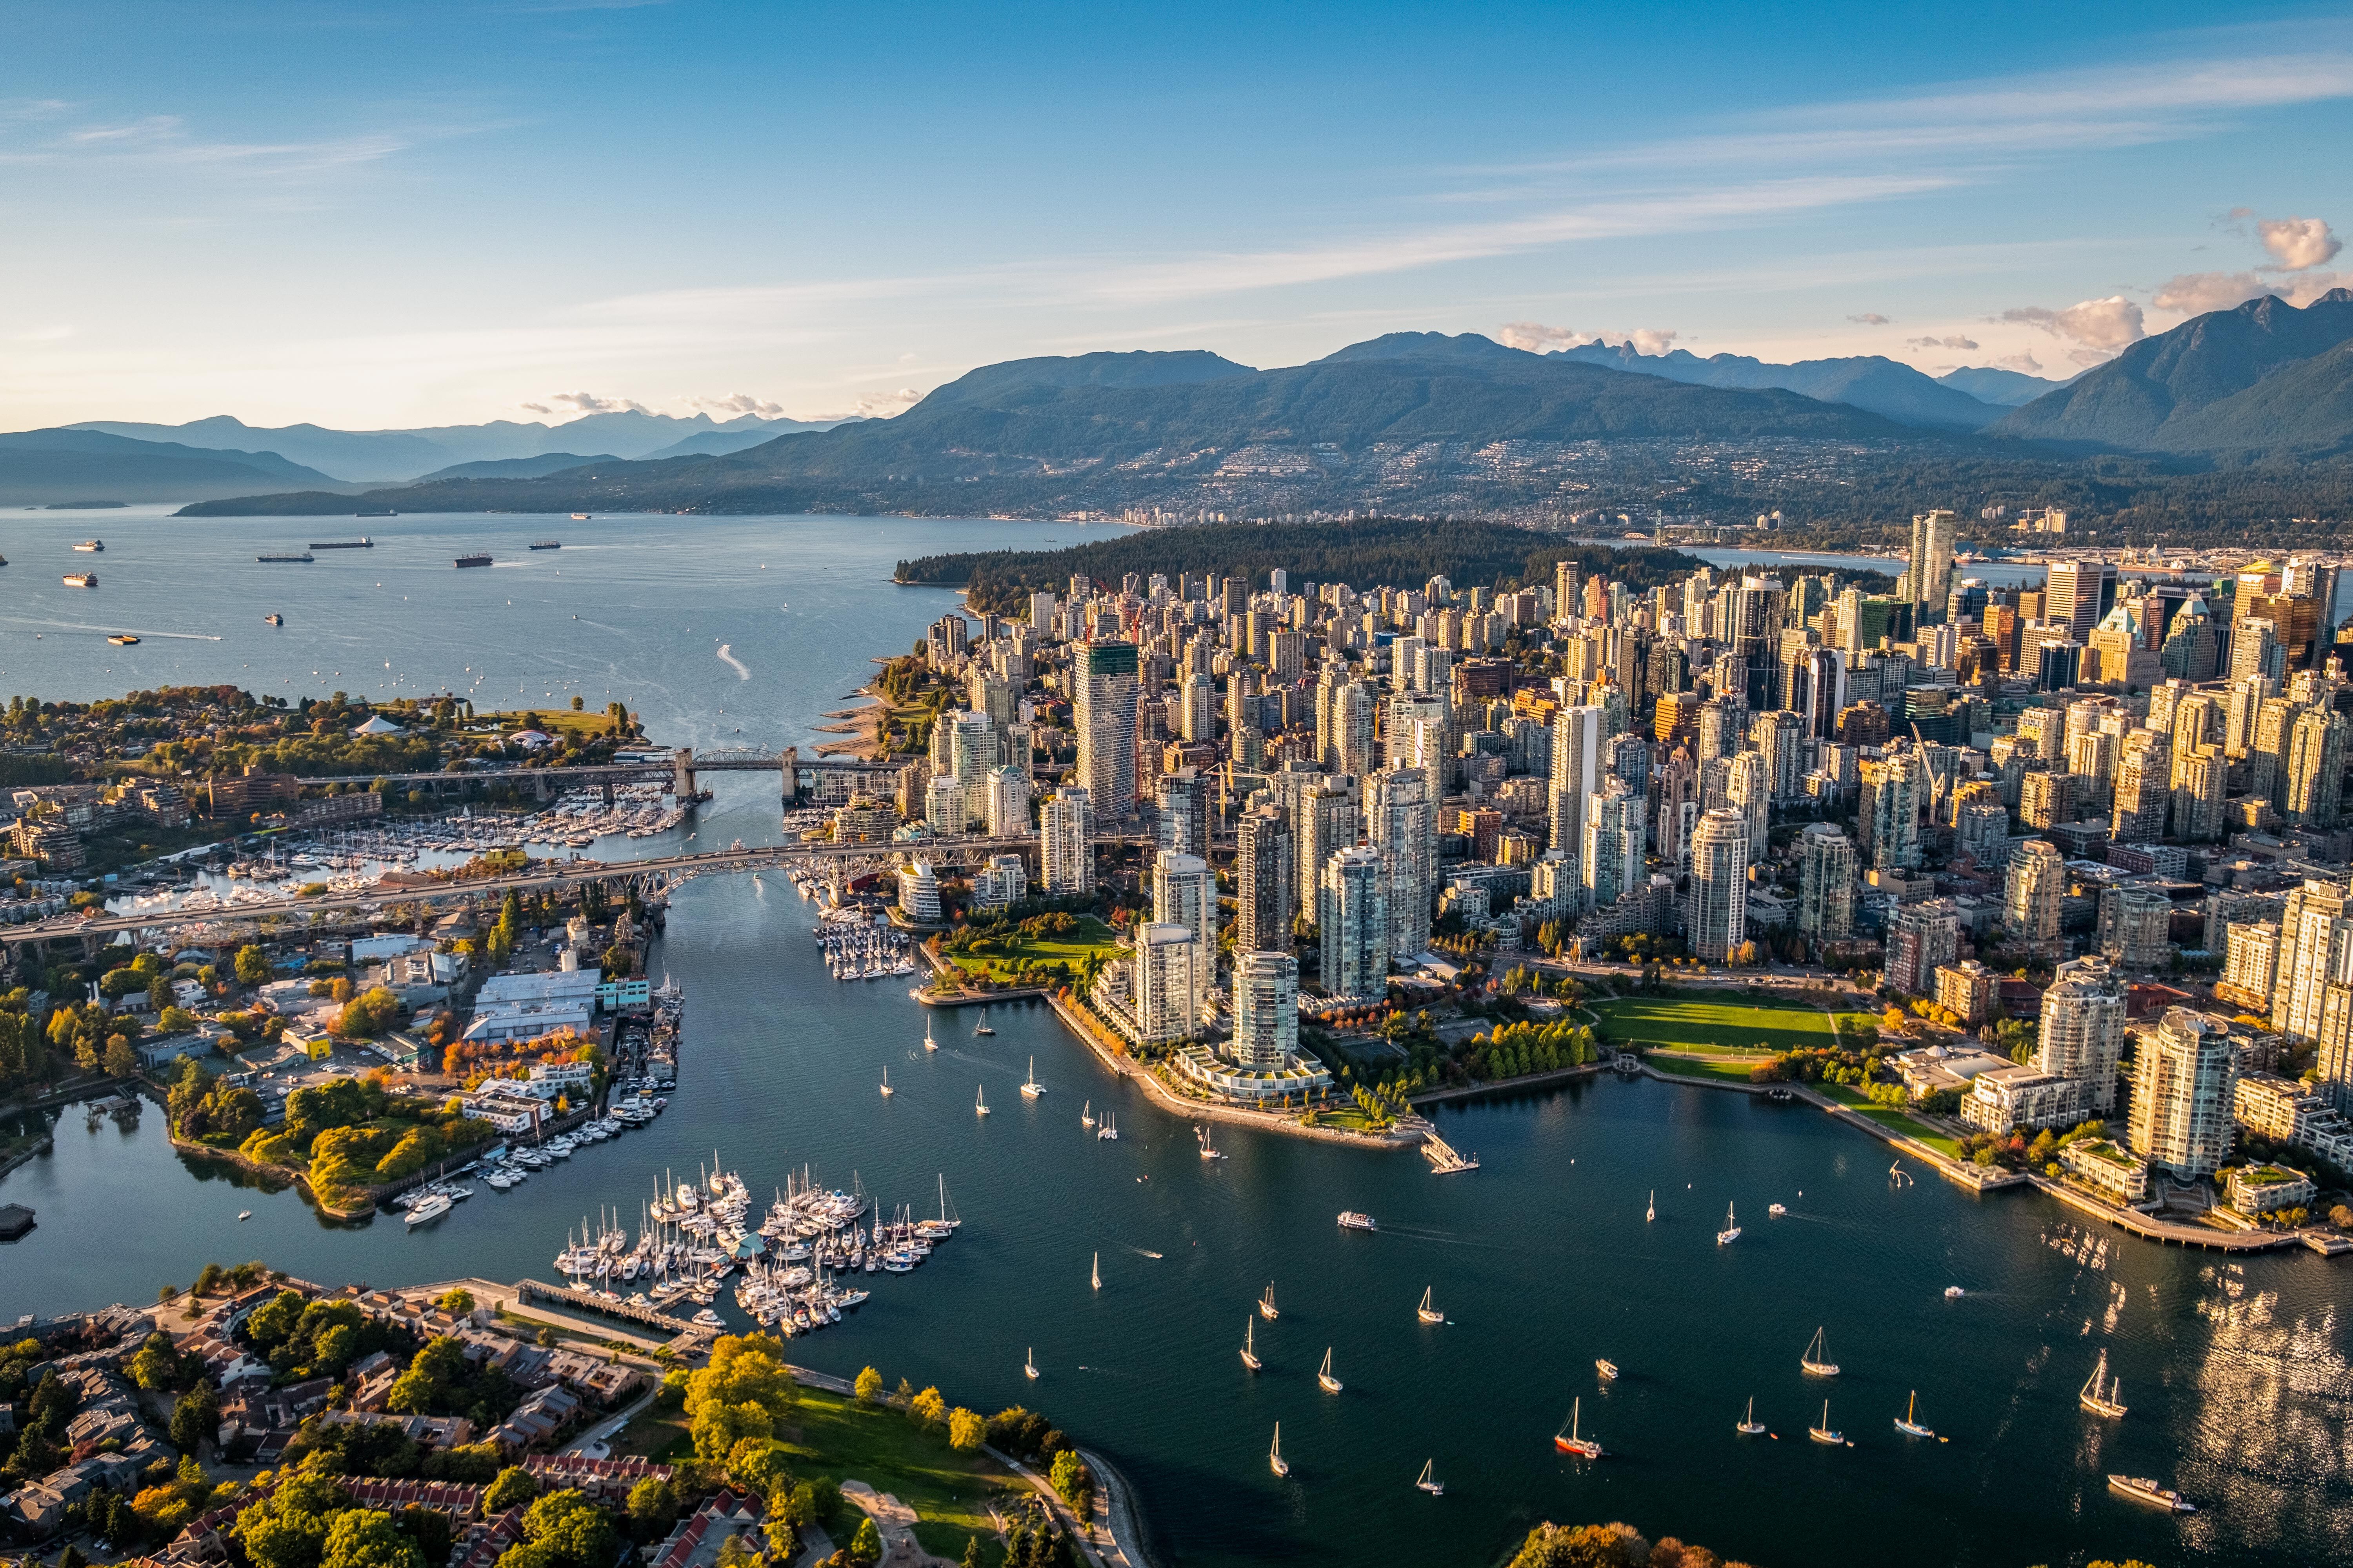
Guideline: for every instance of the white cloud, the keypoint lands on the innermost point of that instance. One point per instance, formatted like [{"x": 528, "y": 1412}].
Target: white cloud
[
  {"x": 2195, "y": 293},
  {"x": 2024, "y": 363},
  {"x": 2101, "y": 326},
  {"x": 1537, "y": 338},
  {"x": 2298, "y": 243},
  {"x": 1870, "y": 319},
  {"x": 1951, "y": 343},
  {"x": 576, "y": 402},
  {"x": 882, "y": 405},
  {"x": 736, "y": 404}
]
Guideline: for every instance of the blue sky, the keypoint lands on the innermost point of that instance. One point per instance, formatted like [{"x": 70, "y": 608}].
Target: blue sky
[{"x": 381, "y": 215}]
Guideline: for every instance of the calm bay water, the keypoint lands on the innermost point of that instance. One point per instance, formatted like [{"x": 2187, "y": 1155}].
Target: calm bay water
[{"x": 2236, "y": 1372}]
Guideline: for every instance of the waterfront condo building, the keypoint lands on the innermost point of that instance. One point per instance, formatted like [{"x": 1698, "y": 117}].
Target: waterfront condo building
[
  {"x": 1266, "y": 1011},
  {"x": 1102, "y": 701},
  {"x": 1168, "y": 987},
  {"x": 1185, "y": 893},
  {"x": 1066, "y": 846},
  {"x": 1263, "y": 880},
  {"x": 2032, "y": 892},
  {"x": 2183, "y": 1078},
  {"x": 2083, "y": 1032},
  {"x": 918, "y": 893}
]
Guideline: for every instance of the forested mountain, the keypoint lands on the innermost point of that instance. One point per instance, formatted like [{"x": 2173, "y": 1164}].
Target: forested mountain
[
  {"x": 2007, "y": 388},
  {"x": 42, "y": 467},
  {"x": 2166, "y": 393}
]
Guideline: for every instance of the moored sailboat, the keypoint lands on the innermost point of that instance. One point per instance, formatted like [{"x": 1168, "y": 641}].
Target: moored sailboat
[
  {"x": 1825, "y": 1433},
  {"x": 1908, "y": 1422},
  {"x": 1731, "y": 1231},
  {"x": 1426, "y": 1313},
  {"x": 1266, "y": 1308},
  {"x": 1094, "y": 1275},
  {"x": 1087, "y": 1114},
  {"x": 1030, "y": 1088},
  {"x": 1652, "y": 1213},
  {"x": 980, "y": 1100},
  {"x": 1571, "y": 1439},
  {"x": 887, "y": 1091},
  {"x": 982, "y": 1027},
  {"x": 1324, "y": 1377},
  {"x": 929, "y": 1044},
  {"x": 2099, "y": 1396},
  {"x": 1816, "y": 1359},
  {"x": 1250, "y": 1350},
  {"x": 1030, "y": 1364},
  {"x": 1274, "y": 1460},
  {"x": 1748, "y": 1426},
  {"x": 1428, "y": 1480}
]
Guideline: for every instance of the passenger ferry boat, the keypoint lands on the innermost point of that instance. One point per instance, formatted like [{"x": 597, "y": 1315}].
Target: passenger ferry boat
[{"x": 1351, "y": 1220}]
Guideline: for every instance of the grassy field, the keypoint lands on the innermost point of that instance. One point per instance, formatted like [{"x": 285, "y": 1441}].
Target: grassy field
[
  {"x": 1895, "y": 1121},
  {"x": 1707, "y": 1026},
  {"x": 1730, "y": 1066},
  {"x": 836, "y": 1438},
  {"x": 1000, "y": 961}
]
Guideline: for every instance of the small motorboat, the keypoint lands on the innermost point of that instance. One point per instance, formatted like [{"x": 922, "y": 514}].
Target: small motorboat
[
  {"x": 2140, "y": 1489},
  {"x": 1953, "y": 1292},
  {"x": 1776, "y": 1210},
  {"x": 245, "y": 1213},
  {"x": 1606, "y": 1368}
]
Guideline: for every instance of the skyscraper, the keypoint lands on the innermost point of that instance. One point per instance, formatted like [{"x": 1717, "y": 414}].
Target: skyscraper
[
  {"x": 1889, "y": 820},
  {"x": 1352, "y": 711},
  {"x": 1613, "y": 860},
  {"x": 1397, "y": 827},
  {"x": 1928, "y": 576},
  {"x": 1066, "y": 851},
  {"x": 1826, "y": 868},
  {"x": 1575, "y": 773},
  {"x": 1168, "y": 985},
  {"x": 1266, "y": 1011},
  {"x": 1326, "y": 825},
  {"x": 2183, "y": 1076},
  {"x": 2142, "y": 788},
  {"x": 1749, "y": 791},
  {"x": 1197, "y": 702},
  {"x": 1102, "y": 680},
  {"x": 2031, "y": 896},
  {"x": 2315, "y": 951},
  {"x": 1718, "y": 918},
  {"x": 2082, "y": 1031},
  {"x": 1185, "y": 893},
  {"x": 1353, "y": 924},
  {"x": 1263, "y": 880},
  {"x": 2077, "y": 593},
  {"x": 2316, "y": 767},
  {"x": 1183, "y": 799}
]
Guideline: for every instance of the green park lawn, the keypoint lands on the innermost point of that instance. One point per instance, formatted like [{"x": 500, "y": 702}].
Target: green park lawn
[
  {"x": 1002, "y": 958},
  {"x": 1895, "y": 1121},
  {"x": 1696, "y": 1024},
  {"x": 834, "y": 1436},
  {"x": 1707, "y": 1062}
]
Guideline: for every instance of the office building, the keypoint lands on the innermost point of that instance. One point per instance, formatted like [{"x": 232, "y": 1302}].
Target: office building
[
  {"x": 2077, "y": 593},
  {"x": 1928, "y": 577}
]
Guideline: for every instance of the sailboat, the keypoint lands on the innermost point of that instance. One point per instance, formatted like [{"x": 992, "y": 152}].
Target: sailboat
[
  {"x": 1814, "y": 1361},
  {"x": 2099, "y": 1396},
  {"x": 1748, "y": 1426},
  {"x": 887, "y": 1091},
  {"x": 1032, "y": 1088},
  {"x": 983, "y": 1028},
  {"x": 1426, "y": 1313},
  {"x": 1324, "y": 1377},
  {"x": 1266, "y": 1304},
  {"x": 1906, "y": 1424},
  {"x": 1573, "y": 1441},
  {"x": 1208, "y": 1150},
  {"x": 929, "y": 1044},
  {"x": 1274, "y": 1460},
  {"x": 980, "y": 1100},
  {"x": 1652, "y": 1213},
  {"x": 1087, "y": 1114},
  {"x": 1030, "y": 1364},
  {"x": 1109, "y": 1130},
  {"x": 1823, "y": 1434},
  {"x": 1731, "y": 1231},
  {"x": 1429, "y": 1481},
  {"x": 1094, "y": 1276},
  {"x": 1249, "y": 1352}
]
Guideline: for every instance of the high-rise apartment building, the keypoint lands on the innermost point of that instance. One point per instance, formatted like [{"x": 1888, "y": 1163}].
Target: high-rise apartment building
[
  {"x": 1168, "y": 983},
  {"x": 1922, "y": 938},
  {"x": 2083, "y": 1032},
  {"x": 2315, "y": 768},
  {"x": 1353, "y": 924},
  {"x": 1266, "y": 1012},
  {"x": 1577, "y": 763},
  {"x": 1182, "y": 799},
  {"x": 1103, "y": 695},
  {"x": 2142, "y": 788},
  {"x": 1197, "y": 707},
  {"x": 1066, "y": 847},
  {"x": 1612, "y": 861},
  {"x": 2315, "y": 952},
  {"x": 1008, "y": 803},
  {"x": 1928, "y": 576},
  {"x": 1397, "y": 826},
  {"x": 2032, "y": 892},
  {"x": 1826, "y": 868},
  {"x": 1717, "y": 921},
  {"x": 1889, "y": 819},
  {"x": 1263, "y": 880},
  {"x": 1326, "y": 824},
  {"x": 2183, "y": 1076}
]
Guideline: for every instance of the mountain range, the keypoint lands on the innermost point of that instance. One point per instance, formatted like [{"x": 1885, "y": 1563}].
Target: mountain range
[{"x": 1409, "y": 422}]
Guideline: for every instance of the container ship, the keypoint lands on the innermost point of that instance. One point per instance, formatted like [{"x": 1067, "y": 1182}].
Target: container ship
[
  {"x": 362, "y": 542},
  {"x": 473, "y": 561},
  {"x": 305, "y": 556},
  {"x": 547, "y": 544},
  {"x": 380, "y": 511}
]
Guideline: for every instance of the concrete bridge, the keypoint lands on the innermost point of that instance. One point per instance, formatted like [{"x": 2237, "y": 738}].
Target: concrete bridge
[
  {"x": 801, "y": 778},
  {"x": 652, "y": 878}
]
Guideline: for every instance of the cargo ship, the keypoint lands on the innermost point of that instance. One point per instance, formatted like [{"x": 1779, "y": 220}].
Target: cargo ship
[
  {"x": 91, "y": 547},
  {"x": 305, "y": 556},
  {"x": 362, "y": 542},
  {"x": 380, "y": 511},
  {"x": 81, "y": 579},
  {"x": 473, "y": 561},
  {"x": 547, "y": 544}
]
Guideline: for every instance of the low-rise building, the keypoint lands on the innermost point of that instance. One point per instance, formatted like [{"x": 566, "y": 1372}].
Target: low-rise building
[
  {"x": 529, "y": 1006},
  {"x": 2280, "y": 1110},
  {"x": 2010, "y": 1097},
  {"x": 2107, "y": 1167},
  {"x": 2267, "y": 1189},
  {"x": 1969, "y": 989},
  {"x": 517, "y": 1115}
]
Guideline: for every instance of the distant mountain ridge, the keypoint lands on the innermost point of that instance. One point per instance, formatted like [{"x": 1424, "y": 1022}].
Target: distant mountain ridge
[
  {"x": 1870, "y": 382},
  {"x": 2202, "y": 387},
  {"x": 44, "y": 468},
  {"x": 378, "y": 456}
]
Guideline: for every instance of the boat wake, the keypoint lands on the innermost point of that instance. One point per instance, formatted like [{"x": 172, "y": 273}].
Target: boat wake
[
  {"x": 1142, "y": 1252},
  {"x": 731, "y": 662}
]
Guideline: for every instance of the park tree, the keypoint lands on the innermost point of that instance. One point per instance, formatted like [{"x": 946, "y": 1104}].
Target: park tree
[
  {"x": 252, "y": 966},
  {"x": 928, "y": 1408},
  {"x": 458, "y": 1303},
  {"x": 869, "y": 1386},
  {"x": 742, "y": 1393},
  {"x": 966, "y": 1430},
  {"x": 866, "y": 1546}
]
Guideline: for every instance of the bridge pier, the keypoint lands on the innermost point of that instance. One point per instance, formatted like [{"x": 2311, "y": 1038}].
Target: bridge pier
[
  {"x": 539, "y": 784},
  {"x": 790, "y": 764},
  {"x": 608, "y": 794},
  {"x": 682, "y": 779}
]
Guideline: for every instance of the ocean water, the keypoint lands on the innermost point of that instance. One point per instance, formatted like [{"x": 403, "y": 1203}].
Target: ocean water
[{"x": 2235, "y": 1371}]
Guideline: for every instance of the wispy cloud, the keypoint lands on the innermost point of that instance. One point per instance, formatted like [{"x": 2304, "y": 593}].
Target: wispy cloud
[{"x": 165, "y": 140}]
